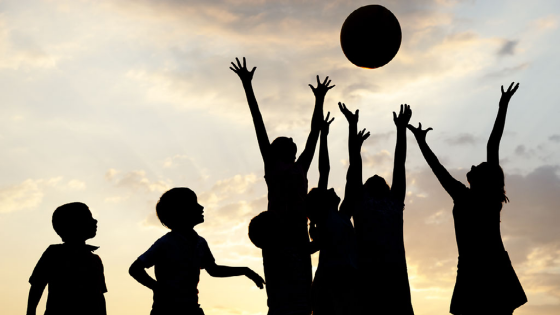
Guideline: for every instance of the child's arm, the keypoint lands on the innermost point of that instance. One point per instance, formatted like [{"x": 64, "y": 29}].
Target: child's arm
[
  {"x": 246, "y": 77},
  {"x": 226, "y": 271},
  {"x": 450, "y": 184},
  {"x": 324, "y": 163},
  {"x": 316, "y": 121},
  {"x": 138, "y": 272},
  {"x": 35, "y": 293},
  {"x": 493, "y": 146},
  {"x": 354, "y": 175},
  {"x": 398, "y": 187}
]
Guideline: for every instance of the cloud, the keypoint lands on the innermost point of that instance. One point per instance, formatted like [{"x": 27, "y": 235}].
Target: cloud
[
  {"x": 508, "y": 48},
  {"x": 547, "y": 23},
  {"x": 461, "y": 139},
  {"x": 505, "y": 72},
  {"x": 554, "y": 138},
  {"x": 522, "y": 151},
  {"x": 371, "y": 160},
  {"x": 137, "y": 181},
  {"x": 30, "y": 193}
]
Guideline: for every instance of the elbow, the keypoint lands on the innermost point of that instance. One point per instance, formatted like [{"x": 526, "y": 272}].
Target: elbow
[{"x": 133, "y": 270}]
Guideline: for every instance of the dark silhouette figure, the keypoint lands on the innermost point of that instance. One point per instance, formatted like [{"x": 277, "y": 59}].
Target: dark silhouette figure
[
  {"x": 334, "y": 287},
  {"x": 384, "y": 286},
  {"x": 486, "y": 282},
  {"x": 73, "y": 273},
  {"x": 287, "y": 267},
  {"x": 179, "y": 255}
]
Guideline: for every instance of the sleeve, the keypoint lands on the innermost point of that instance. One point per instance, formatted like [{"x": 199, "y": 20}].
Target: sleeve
[
  {"x": 206, "y": 257},
  {"x": 101, "y": 275},
  {"x": 152, "y": 255},
  {"x": 41, "y": 273}
]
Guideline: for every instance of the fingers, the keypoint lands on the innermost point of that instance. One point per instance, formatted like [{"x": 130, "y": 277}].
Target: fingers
[
  {"x": 394, "y": 116},
  {"x": 326, "y": 81},
  {"x": 238, "y": 63},
  {"x": 318, "y": 82},
  {"x": 312, "y": 88},
  {"x": 234, "y": 66},
  {"x": 253, "y": 71},
  {"x": 503, "y": 89},
  {"x": 402, "y": 110},
  {"x": 366, "y": 136},
  {"x": 510, "y": 86},
  {"x": 430, "y": 128},
  {"x": 329, "y": 122},
  {"x": 244, "y": 63},
  {"x": 515, "y": 88},
  {"x": 357, "y": 114},
  {"x": 328, "y": 115},
  {"x": 330, "y": 87}
]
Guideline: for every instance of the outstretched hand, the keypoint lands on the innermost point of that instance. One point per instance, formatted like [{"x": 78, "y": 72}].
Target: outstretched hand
[
  {"x": 258, "y": 280},
  {"x": 361, "y": 136},
  {"x": 322, "y": 88},
  {"x": 506, "y": 96},
  {"x": 244, "y": 74},
  {"x": 418, "y": 132},
  {"x": 402, "y": 120},
  {"x": 325, "y": 125},
  {"x": 351, "y": 117}
]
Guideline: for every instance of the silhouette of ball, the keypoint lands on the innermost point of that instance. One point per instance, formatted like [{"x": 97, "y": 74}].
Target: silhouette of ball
[{"x": 371, "y": 36}]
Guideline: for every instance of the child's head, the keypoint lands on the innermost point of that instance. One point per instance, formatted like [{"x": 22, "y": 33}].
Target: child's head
[
  {"x": 319, "y": 201},
  {"x": 74, "y": 222},
  {"x": 376, "y": 187},
  {"x": 264, "y": 229},
  {"x": 178, "y": 208},
  {"x": 284, "y": 149}
]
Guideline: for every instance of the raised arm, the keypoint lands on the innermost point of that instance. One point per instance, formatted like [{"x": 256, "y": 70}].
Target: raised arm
[
  {"x": 354, "y": 182},
  {"x": 316, "y": 121},
  {"x": 493, "y": 146},
  {"x": 246, "y": 77},
  {"x": 450, "y": 184},
  {"x": 324, "y": 163},
  {"x": 398, "y": 187}
]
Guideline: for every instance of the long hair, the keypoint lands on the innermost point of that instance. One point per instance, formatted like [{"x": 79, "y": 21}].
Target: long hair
[{"x": 489, "y": 180}]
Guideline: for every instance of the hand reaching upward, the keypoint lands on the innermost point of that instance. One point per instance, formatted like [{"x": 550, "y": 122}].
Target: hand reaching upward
[
  {"x": 325, "y": 126},
  {"x": 401, "y": 121},
  {"x": 506, "y": 96},
  {"x": 351, "y": 117},
  {"x": 361, "y": 137},
  {"x": 322, "y": 88},
  {"x": 418, "y": 132},
  {"x": 241, "y": 70}
]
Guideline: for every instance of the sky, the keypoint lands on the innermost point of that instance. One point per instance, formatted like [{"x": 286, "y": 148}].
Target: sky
[{"x": 112, "y": 103}]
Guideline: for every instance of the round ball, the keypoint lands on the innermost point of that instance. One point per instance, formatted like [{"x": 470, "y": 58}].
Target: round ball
[{"x": 371, "y": 36}]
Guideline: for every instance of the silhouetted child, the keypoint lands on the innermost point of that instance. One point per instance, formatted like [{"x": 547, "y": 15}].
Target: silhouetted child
[
  {"x": 179, "y": 255},
  {"x": 384, "y": 286},
  {"x": 73, "y": 273},
  {"x": 486, "y": 281},
  {"x": 286, "y": 179},
  {"x": 334, "y": 287}
]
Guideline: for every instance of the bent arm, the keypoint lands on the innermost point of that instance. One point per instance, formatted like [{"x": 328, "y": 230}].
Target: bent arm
[
  {"x": 138, "y": 272},
  {"x": 35, "y": 293},
  {"x": 226, "y": 271}
]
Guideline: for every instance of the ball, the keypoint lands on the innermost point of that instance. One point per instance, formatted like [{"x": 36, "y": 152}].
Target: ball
[{"x": 371, "y": 36}]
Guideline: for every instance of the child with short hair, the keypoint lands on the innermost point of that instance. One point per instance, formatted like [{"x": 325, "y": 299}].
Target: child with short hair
[
  {"x": 74, "y": 274},
  {"x": 179, "y": 255}
]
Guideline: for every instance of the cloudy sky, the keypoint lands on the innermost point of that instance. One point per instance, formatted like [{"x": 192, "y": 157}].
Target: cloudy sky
[{"x": 113, "y": 102}]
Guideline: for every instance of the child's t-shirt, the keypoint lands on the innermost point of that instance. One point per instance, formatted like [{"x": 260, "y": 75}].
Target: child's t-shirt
[
  {"x": 177, "y": 262},
  {"x": 75, "y": 278}
]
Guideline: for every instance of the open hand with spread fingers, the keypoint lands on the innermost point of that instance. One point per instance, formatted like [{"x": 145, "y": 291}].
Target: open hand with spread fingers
[
  {"x": 401, "y": 121},
  {"x": 506, "y": 96},
  {"x": 418, "y": 132},
  {"x": 351, "y": 117},
  {"x": 241, "y": 69},
  {"x": 322, "y": 88},
  {"x": 361, "y": 136},
  {"x": 325, "y": 126}
]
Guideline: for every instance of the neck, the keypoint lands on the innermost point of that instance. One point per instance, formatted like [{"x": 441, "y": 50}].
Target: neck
[{"x": 75, "y": 242}]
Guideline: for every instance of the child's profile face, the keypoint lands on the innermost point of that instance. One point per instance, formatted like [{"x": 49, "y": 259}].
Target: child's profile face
[
  {"x": 87, "y": 224},
  {"x": 192, "y": 211}
]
